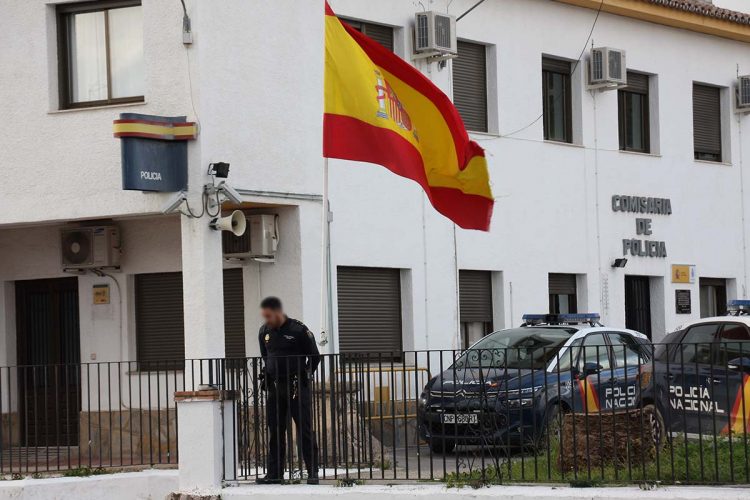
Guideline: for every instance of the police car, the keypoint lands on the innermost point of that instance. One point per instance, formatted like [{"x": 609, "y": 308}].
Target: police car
[
  {"x": 699, "y": 380},
  {"x": 510, "y": 387}
]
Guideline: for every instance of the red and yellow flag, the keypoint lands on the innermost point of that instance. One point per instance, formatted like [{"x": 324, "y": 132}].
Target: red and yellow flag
[{"x": 380, "y": 109}]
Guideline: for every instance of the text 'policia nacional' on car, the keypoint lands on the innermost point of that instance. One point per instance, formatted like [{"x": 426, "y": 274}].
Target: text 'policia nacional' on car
[
  {"x": 511, "y": 387},
  {"x": 699, "y": 380}
]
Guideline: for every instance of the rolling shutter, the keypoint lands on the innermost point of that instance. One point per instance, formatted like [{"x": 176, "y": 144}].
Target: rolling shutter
[
  {"x": 637, "y": 82},
  {"x": 234, "y": 314},
  {"x": 562, "y": 284},
  {"x": 475, "y": 293},
  {"x": 159, "y": 322},
  {"x": 470, "y": 85},
  {"x": 381, "y": 34},
  {"x": 555, "y": 65},
  {"x": 369, "y": 310},
  {"x": 160, "y": 330},
  {"x": 707, "y": 122}
]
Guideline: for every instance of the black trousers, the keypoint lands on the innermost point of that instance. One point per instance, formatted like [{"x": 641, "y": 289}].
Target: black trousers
[{"x": 284, "y": 401}]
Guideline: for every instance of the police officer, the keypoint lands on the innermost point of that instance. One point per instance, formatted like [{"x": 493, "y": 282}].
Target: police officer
[{"x": 291, "y": 357}]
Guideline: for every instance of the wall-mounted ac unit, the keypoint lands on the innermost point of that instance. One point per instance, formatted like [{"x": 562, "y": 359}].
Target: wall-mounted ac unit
[
  {"x": 743, "y": 94},
  {"x": 90, "y": 247},
  {"x": 435, "y": 33},
  {"x": 260, "y": 241},
  {"x": 608, "y": 67}
]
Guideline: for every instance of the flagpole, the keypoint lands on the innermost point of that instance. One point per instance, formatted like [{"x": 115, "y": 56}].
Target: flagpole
[{"x": 325, "y": 261}]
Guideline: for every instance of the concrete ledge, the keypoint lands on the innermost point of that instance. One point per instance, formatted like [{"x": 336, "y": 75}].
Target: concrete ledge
[
  {"x": 408, "y": 492},
  {"x": 150, "y": 484}
]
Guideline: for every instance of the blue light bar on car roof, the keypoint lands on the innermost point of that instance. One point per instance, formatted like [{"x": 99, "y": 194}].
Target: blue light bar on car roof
[{"x": 561, "y": 318}]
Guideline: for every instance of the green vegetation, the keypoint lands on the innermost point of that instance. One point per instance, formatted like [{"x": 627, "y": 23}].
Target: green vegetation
[
  {"x": 84, "y": 471},
  {"x": 690, "y": 461}
]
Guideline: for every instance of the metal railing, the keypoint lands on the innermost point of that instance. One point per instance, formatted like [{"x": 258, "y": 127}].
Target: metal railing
[{"x": 605, "y": 414}]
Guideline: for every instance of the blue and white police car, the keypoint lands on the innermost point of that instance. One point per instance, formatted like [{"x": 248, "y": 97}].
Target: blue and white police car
[
  {"x": 699, "y": 380},
  {"x": 510, "y": 387}
]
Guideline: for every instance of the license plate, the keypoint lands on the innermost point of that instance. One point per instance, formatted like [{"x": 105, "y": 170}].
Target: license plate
[{"x": 461, "y": 418}]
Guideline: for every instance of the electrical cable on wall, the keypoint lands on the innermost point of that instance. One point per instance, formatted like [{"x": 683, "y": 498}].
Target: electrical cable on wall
[{"x": 572, "y": 71}]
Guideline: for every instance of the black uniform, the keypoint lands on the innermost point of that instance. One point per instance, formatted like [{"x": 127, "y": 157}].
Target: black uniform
[{"x": 291, "y": 358}]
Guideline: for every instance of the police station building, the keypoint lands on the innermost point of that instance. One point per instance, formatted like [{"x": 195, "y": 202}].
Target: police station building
[{"x": 615, "y": 132}]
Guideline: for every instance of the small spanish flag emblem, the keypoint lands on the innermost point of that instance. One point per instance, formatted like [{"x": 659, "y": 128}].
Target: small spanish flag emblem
[{"x": 151, "y": 129}]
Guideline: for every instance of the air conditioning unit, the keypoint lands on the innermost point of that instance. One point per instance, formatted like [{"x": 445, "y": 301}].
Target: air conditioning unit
[
  {"x": 435, "y": 33},
  {"x": 260, "y": 241},
  {"x": 743, "y": 94},
  {"x": 608, "y": 67},
  {"x": 90, "y": 247}
]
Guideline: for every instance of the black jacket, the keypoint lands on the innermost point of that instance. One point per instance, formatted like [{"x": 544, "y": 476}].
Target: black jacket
[{"x": 289, "y": 351}]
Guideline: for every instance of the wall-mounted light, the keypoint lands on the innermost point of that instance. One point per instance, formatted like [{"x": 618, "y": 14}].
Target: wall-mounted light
[{"x": 620, "y": 263}]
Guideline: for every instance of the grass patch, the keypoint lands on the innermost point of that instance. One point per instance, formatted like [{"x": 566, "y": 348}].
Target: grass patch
[
  {"x": 710, "y": 461},
  {"x": 84, "y": 472}
]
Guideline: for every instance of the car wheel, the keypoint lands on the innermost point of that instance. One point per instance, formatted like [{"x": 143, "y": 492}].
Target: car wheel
[
  {"x": 550, "y": 432},
  {"x": 442, "y": 445},
  {"x": 655, "y": 423}
]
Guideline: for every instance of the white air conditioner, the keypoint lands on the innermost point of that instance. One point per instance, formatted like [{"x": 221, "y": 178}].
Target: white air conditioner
[
  {"x": 260, "y": 241},
  {"x": 90, "y": 247},
  {"x": 743, "y": 94},
  {"x": 435, "y": 33},
  {"x": 608, "y": 67}
]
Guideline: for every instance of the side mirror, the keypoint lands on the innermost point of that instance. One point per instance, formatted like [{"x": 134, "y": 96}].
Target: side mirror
[
  {"x": 739, "y": 364},
  {"x": 591, "y": 369}
]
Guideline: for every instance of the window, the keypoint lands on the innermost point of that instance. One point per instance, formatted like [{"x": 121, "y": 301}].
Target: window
[
  {"x": 475, "y": 296},
  {"x": 569, "y": 356},
  {"x": 595, "y": 351},
  {"x": 369, "y": 311},
  {"x": 556, "y": 100},
  {"x": 160, "y": 323},
  {"x": 562, "y": 294},
  {"x": 627, "y": 352},
  {"x": 734, "y": 342},
  {"x": 707, "y": 122},
  {"x": 713, "y": 296},
  {"x": 100, "y": 53},
  {"x": 634, "y": 114},
  {"x": 697, "y": 345},
  {"x": 470, "y": 85},
  {"x": 378, "y": 32}
]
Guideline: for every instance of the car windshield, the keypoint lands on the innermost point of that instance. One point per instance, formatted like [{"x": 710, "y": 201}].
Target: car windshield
[{"x": 519, "y": 348}]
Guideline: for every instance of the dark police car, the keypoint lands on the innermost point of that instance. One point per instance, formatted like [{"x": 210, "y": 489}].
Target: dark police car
[
  {"x": 510, "y": 387},
  {"x": 699, "y": 380}
]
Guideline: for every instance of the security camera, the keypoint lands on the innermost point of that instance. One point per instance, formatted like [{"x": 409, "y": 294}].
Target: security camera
[
  {"x": 230, "y": 193},
  {"x": 174, "y": 203}
]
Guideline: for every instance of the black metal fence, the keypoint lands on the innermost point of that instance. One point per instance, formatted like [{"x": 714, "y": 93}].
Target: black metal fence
[{"x": 533, "y": 413}]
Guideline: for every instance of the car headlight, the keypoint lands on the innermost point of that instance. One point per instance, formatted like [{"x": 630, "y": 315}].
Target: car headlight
[
  {"x": 526, "y": 391},
  {"x": 520, "y": 403}
]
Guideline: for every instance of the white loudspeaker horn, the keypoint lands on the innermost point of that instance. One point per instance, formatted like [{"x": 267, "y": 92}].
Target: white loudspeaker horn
[{"x": 235, "y": 223}]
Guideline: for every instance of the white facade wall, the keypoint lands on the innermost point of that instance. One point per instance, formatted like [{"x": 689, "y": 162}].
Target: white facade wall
[{"x": 253, "y": 80}]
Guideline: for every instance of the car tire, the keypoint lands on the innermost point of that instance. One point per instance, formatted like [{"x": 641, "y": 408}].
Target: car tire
[
  {"x": 655, "y": 422},
  {"x": 551, "y": 428},
  {"x": 442, "y": 446}
]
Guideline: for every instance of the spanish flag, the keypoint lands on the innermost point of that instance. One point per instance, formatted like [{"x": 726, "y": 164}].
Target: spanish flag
[{"x": 380, "y": 109}]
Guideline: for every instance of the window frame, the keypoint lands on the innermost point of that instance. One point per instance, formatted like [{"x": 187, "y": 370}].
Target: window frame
[
  {"x": 62, "y": 14},
  {"x": 567, "y": 105},
  {"x": 622, "y": 121},
  {"x": 485, "y": 126},
  {"x": 362, "y": 27}
]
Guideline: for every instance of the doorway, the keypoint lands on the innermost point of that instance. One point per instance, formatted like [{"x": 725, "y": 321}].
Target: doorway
[
  {"x": 48, "y": 340},
  {"x": 638, "y": 304},
  {"x": 713, "y": 295}
]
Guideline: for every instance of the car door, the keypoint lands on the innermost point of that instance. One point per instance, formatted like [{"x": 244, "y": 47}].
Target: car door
[
  {"x": 629, "y": 357},
  {"x": 730, "y": 390},
  {"x": 594, "y": 374},
  {"x": 689, "y": 378}
]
